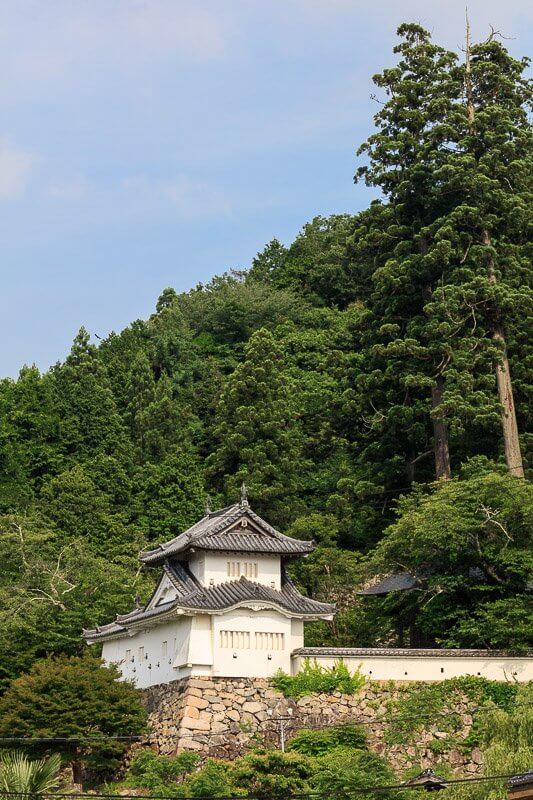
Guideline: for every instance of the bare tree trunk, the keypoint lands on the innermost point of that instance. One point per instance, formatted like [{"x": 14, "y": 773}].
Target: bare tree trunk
[
  {"x": 468, "y": 79},
  {"x": 440, "y": 434},
  {"x": 511, "y": 442},
  {"x": 441, "y": 445},
  {"x": 77, "y": 775}
]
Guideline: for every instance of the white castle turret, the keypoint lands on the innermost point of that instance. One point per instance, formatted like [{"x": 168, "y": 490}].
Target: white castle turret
[{"x": 224, "y": 604}]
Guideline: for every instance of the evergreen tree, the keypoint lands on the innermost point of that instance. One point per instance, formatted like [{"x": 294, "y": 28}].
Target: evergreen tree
[
  {"x": 170, "y": 495},
  {"x": 405, "y": 157},
  {"x": 140, "y": 393},
  {"x": 317, "y": 264},
  {"x": 90, "y": 422},
  {"x": 267, "y": 263},
  {"x": 488, "y": 228},
  {"x": 29, "y": 436},
  {"x": 41, "y": 703},
  {"x": 167, "y": 423},
  {"x": 257, "y": 435}
]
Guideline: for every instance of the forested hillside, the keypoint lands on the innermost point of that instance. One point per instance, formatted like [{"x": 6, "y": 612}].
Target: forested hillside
[{"x": 358, "y": 380}]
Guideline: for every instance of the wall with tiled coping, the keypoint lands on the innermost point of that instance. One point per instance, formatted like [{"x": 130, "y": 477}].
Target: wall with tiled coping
[{"x": 421, "y": 665}]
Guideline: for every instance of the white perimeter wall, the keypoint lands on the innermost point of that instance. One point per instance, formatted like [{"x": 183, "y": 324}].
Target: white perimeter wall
[{"x": 428, "y": 668}]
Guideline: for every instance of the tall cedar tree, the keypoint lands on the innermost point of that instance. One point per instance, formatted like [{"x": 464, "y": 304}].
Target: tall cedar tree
[
  {"x": 405, "y": 156},
  {"x": 488, "y": 229},
  {"x": 442, "y": 368},
  {"x": 258, "y": 438}
]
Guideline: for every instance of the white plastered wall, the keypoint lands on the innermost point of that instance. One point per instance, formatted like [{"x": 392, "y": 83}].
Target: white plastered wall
[
  {"x": 212, "y": 568},
  {"x": 252, "y": 657},
  {"x": 164, "y": 648},
  {"x": 429, "y": 668}
]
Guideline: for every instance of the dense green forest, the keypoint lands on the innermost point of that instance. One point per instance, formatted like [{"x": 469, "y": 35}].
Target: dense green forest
[{"x": 362, "y": 380}]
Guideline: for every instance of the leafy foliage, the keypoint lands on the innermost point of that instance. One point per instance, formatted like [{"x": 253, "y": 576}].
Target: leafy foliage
[
  {"x": 266, "y": 773},
  {"x": 344, "y": 770},
  {"x": 313, "y": 678},
  {"x": 469, "y": 543},
  {"x": 506, "y": 739},
  {"x": 40, "y": 704},
  {"x": 19, "y": 774},
  {"x": 320, "y": 742},
  {"x": 424, "y": 705},
  {"x": 159, "y": 774}
]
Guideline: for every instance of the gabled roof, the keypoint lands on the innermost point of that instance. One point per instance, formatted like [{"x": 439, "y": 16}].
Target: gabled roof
[
  {"x": 223, "y": 531},
  {"x": 193, "y": 597}
]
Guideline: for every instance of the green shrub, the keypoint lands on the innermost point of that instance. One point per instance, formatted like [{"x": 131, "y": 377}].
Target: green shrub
[
  {"x": 345, "y": 770},
  {"x": 423, "y": 705},
  {"x": 213, "y": 780},
  {"x": 271, "y": 774},
  {"x": 320, "y": 742},
  {"x": 159, "y": 773},
  {"x": 506, "y": 741},
  {"x": 316, "y": 679}
]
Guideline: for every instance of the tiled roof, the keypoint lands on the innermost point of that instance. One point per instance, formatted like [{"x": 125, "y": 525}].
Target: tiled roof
[
  {"x": 215, "y": 598},
  {"x": 398, "y": 582},
  {"x": 215, "y": 532},
  {"x": 522, "y": 779},
  {"x": 373, "y": 652},
  {"x": 226, "y": 595}
]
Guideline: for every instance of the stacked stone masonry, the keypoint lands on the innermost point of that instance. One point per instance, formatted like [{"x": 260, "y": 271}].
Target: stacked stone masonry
[{"x": 223, "y": 717}]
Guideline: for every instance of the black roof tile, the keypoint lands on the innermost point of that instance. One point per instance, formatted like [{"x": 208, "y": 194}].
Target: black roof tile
[{"x": 215, "y": 532}]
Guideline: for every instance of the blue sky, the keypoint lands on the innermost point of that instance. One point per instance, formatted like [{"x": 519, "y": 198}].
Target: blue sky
[{"x": 154, "y": 143}]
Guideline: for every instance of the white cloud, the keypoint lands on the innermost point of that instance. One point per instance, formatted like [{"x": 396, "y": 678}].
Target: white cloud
[
  {"x": 64, "y": 38},
  {"x": 15, "y": 168},
  {"x": 191, "y": 198},
  {"x": 160, "y": 24},
  {"x": 70, "y": 189}
]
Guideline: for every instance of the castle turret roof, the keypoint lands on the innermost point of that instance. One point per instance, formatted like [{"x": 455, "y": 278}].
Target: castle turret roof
[
  {"x": 192, "y": 597},
  {"x": 236, "y": 528}
]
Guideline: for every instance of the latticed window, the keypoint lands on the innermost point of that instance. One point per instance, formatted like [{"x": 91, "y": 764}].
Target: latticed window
[
  {"x": 237, "y": 568},
  {"x": 235, "y": 640},
  {"x": 269, "y": 641}
]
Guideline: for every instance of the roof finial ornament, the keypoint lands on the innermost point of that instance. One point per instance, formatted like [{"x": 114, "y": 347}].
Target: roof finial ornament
[
  {"x": 244, "y": 495},
  {"x": 207, "y": 505}
]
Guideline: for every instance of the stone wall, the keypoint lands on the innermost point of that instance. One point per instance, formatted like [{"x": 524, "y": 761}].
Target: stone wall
[{"x": 223, "y": 717}]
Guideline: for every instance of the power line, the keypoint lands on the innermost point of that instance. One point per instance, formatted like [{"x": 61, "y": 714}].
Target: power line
[
  {"x": 296, "y": 796},
  {"x": 298, "y": 725}
]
